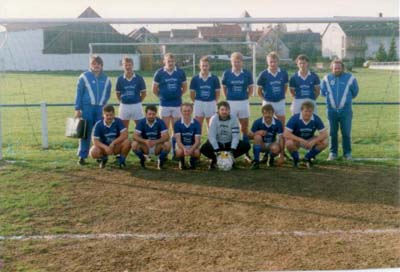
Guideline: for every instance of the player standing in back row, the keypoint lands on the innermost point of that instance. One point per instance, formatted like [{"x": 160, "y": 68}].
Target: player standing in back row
[
  {"x": 169, "y": 85},
  {"x": 204, "y": 92},
  {"x": 131, "y": 90},
  {"x": 237, "y": 85},
  {"x": 304, "y": 85}
]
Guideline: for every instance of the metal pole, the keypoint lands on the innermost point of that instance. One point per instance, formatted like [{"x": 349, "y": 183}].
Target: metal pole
[
  {"x": 45, "y": 131},
  {"x": 254, "y": 70},
  {"x": 194, "y": 64},
  {"x": 1, "y": 138}
]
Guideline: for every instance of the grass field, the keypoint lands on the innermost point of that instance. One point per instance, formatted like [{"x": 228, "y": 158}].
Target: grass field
[{"x": 339, "y": 215}]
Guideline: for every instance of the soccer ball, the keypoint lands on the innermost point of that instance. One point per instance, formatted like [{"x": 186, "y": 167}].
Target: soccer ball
[{"x": 225, "y": 161}]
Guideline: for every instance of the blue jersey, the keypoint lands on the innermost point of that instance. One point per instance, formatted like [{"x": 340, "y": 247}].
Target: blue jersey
[
  {"x": 92, "y": 90},
  {"x": 299, "y": 128},
  {"x": 237, "y": 84},
  {"x": 275, "y": 128},
  {"x": 187, "y": 133},
  {"x": 130, "y": 90},
  {"x": 304, "y": 87},
  {"x": 205, "y": 88},
  {"x": 108, "y": 133},
  {"x": 273, "y": 85},
  {"x": 170, "y": 86},
  {"x": 151, "y": 131},
  {"x": 339, "y": 91}
]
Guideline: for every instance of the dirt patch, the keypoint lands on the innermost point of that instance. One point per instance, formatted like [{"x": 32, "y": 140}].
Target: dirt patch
[{"x": 241, "y": 204}]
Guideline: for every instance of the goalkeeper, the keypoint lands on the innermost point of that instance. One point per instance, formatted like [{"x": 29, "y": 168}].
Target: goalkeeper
[{"x": 223, "y": 135}]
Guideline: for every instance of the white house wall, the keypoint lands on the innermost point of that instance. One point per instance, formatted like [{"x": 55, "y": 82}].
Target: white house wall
[
  {"x": 22, "y": 51},
  {"x": 333, "y": 41},
  {"x": 373, "y": 44}
]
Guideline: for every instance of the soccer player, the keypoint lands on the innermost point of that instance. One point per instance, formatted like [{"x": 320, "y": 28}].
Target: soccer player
[
  {"x": 93, "y": 92},
  {"x": 169, "y": 85},
  {"x": 130, "y": 90},
  {"x": 272, "y": 86},
  {"x": 304, "y": 85},
  {"x": 151, "y": 137},
  {"x": 204, "y": 92},
  {"x": 110, "y": 137},
  {"x": 300, "y": 131},
  {"x": 223, "y": 135},
  {"x": 187, "y": 134},
  {"x": 264, "y": 132},
  {"x": 237, "y": 85},
  {"x": 339, "y": 88}
]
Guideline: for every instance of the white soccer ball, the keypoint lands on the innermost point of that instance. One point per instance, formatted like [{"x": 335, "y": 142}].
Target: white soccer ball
[{"x": 225, "y": 161}]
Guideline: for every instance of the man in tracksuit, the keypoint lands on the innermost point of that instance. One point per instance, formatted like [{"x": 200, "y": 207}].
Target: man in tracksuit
[
  {"x": 223, "y": 135},
  {"x": 339, "y": 88},
  {"x": 93, "y": 92}
]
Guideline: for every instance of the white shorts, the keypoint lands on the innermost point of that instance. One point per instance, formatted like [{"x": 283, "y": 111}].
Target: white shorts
[
  {"x": 295, "y": 108},
  {"x": 131, "y": 111},
  {"x": 174, "y": 112},
  {"x": 279, "y": 107},
  {"x": 240, "y": 109},
  {"x": 204, "y": 108}
]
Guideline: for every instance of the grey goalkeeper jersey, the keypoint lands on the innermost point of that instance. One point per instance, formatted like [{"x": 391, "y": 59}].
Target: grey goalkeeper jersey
[{"x": 224, "y": 131}]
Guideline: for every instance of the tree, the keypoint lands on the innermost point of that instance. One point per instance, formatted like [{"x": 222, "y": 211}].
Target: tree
[
  {"x": 392, "y": 54},
  {"x": 381, "y": 54}
]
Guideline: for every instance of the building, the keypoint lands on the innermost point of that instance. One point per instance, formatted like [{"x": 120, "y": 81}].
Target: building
[
  {"x": 61, "y": 47},
  {"x": 358, "y": 40}
]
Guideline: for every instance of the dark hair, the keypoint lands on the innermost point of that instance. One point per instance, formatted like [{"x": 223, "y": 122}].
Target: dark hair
[
  {"x": 267, "y": 107},
  {"x": 151, "y": 108},
  {"x": 302, "y": 57},
  {"x": 307, "y": 105},
  {"x": 97, "y": 59},
  {"x": 223, "y": 104},
  {"x": 109, "y": 108}
]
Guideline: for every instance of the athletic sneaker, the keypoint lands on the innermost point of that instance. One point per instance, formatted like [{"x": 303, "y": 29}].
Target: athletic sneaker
[
  {"x": 81, "y": 162},
  {"x": 212, "y": 165},
  {"x": 182, "y": 165},
  {"x": 247, "y": 158},
  {"x": 331, "y": 157},
  {"x": 160, "y": 164},
  {"x": 348, "y": 157},
  {"x": 255, "y": 165},
  {"x": 308, "y": 163},
  {"x": 264, "y": 159},
  {"x": 102, "y": 164},
  {"x": 271, "y": 161},
  {"x": 142, "y": 163}
]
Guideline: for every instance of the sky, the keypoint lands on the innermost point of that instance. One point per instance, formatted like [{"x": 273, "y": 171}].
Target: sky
[{"x": 196, "y": 8}]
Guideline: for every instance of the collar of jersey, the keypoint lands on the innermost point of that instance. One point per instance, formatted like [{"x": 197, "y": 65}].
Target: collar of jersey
[
  {"x": 219, "y": 117},
  {"x": 277, "y": 71},
  {"x": 304, "y": 78},
  {"x": 170, "y": 73},
  {"x": 233, "y": 72},
  {"x": 104, "y": 123},
  {"x": 272, "y": 123},
  {"x": 151, "y": 125},
  {"x": 183, "y": 123},
  {"x": 133, "y": 76},
  {"x": 311, "y": 119},
  {"x": 208, "y": 76}
]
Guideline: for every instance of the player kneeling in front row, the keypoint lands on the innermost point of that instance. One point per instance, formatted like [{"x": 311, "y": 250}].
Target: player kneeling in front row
[
  {"x": 151, "y": 138},
  {"x": 223, "y": 135},
  {"x": 187, "y": 134},
  {"x": 300, "y": 131},
  {"x": 264, "y": 132},
  {"x": 110, "y": 137}
]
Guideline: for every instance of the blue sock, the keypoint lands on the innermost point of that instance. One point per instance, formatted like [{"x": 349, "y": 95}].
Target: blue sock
[
  {"x": 312, "y": 153},
  {"x": 104, "y": 158},
  {"x": 140, "y": 154},
  {"x": 163, "y": 155},
  {"x": 121, "y": 159},
  {"x": 256, "y": 152},
  {"x": 173, "y": 145},
  {"x": 295, "y": 156},
  {"x": 193, "y": 160},
  {"x": 246, "y": 138}
]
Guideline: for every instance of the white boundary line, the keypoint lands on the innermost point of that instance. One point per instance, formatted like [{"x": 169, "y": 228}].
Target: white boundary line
[{"x": 178, "y": 235}]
